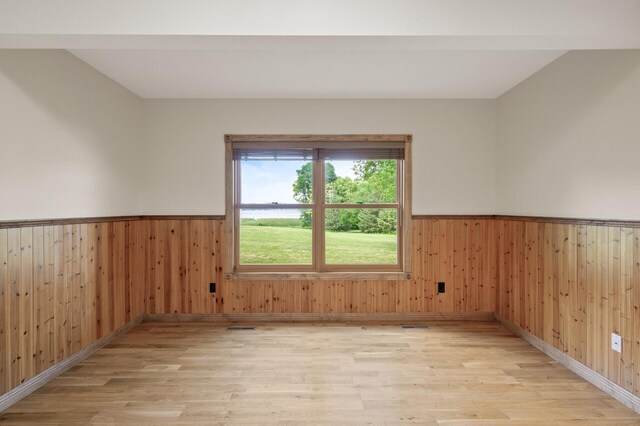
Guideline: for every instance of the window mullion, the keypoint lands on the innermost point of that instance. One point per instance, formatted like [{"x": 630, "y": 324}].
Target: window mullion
[
  {"x": 318, "y": 214},
  {"x": 272, "y": 206},
  {"x": 362, "y": 206},
  {"x": 400, "y": 212},
  {"x": 236, "y": 211}
]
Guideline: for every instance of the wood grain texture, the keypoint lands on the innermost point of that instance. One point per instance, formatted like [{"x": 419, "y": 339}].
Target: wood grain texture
[
  {"x": 29, "y": 386},
  {"x": 61, "y": 288},
  {"x": 6, "y": 224},
  {"x": 580, "y": 284},
  {"x": 186, "y": 255},
  {"x": 64, "y": 286},
  {"x": 538, "y": 219},
  {"x": 351, "y": 138},
  {"x": 200, "y": 373}
]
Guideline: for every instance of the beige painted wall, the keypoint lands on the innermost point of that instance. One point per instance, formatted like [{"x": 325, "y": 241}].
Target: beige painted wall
[
  {"x": 69, "y": 139},
  {"x": 453, "y": 148},
  {"x": 569, "y": 139},
  {"x": 76, "y": 143},
  {"x": 565, "y": 142}
]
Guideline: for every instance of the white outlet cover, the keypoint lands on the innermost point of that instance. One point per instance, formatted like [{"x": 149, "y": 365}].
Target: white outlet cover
[{"x": 616, "y": 342}]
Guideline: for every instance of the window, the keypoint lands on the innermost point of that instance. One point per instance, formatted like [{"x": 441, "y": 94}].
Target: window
[{"x": 311, "y": 205}]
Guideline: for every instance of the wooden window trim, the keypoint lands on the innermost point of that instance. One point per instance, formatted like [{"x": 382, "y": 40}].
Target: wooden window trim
[{"x": 316, "y": 271}]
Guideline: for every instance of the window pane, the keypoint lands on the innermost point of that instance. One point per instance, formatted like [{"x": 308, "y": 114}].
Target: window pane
[
  {"x": 275, "y": 181},
  {"x": 360, "y": 181},
  {"x": 361, "y": 236},
  {"x": 272, "y": 237}
]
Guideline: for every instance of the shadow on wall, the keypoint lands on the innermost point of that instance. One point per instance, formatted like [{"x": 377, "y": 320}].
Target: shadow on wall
[
  {"x": 74, "y": 128},
  {"x": 567, "y": 137}
]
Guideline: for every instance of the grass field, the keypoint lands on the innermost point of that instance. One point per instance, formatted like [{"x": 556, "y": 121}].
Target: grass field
[{"x": 284, "y": 241}]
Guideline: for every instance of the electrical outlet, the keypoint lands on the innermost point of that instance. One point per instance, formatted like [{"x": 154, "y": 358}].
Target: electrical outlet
[
  {"x": 440, "y": 287},
  {"x": 212, "y": 287},
  {"x": 616, "y": 342}
]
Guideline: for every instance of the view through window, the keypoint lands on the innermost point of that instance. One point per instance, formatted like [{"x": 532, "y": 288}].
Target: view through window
[{"x": 315, "y": 209}]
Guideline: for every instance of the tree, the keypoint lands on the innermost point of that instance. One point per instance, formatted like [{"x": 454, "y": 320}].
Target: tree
[
  {"x": 342, "y": 190},
  {"x": 380, "y": 176},
  {"x": 303, "y": 187},
  {"x": 375, "y": 182},
  {"x": 330, "y": 173}
]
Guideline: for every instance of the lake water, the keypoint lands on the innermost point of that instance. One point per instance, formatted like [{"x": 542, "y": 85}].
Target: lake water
[{"x": 270, "y": 214}]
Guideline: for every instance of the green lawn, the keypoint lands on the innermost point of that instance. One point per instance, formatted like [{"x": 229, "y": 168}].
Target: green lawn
[{"x": 284, "y": 241}]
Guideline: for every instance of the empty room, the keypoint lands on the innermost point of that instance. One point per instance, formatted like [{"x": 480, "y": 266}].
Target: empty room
[{"x": 317, "y": 212}]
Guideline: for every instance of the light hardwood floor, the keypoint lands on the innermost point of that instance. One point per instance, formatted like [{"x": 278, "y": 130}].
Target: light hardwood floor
[{"x": 199, "y": 373}]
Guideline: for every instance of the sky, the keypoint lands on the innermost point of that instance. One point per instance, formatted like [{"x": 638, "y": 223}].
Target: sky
[{"x": 272, "y": 181}]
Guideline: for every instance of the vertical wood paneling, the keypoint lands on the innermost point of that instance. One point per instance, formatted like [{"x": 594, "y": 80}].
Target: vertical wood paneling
[
  {"x": 429, "y": 273},
  {"x": 626, "y": 308},
  {"x": 458, "y": 247},
  {"x": 51, "y": 278},
  {"x": 589, "y": 276},
  {"x": 531, "y": 277},
  {"x": 59, "y": 294},
  {"x": 159, "y": 237},
  {"x": 86, "y": 322},
  {"x": 501, "y": 296},
  {"x": 66, "y": 292},
  {"x": 149, "y": 235},
  {"x": 636, "y": 311},
  {"x": 4, "y": 314},
  {"x": 25, "y": 285},
  {"x": 64, "y": 286},
  {"x": 102, "y": 279},
  {"x": 592, "y": 297},
  {"x": 126, "y": 258},
  {"x": 549, "y": 302},
  {"x": 91, "y": 304},
  {"x": 582, "y": 293},
  {"x": 118, "y": 303},
  {"x": 556, "y": 272},
  {"x": 185, "y": 256},
  {"x": 602, "y": 282},
  {"x": 613, "y": 298},
  {"x": 40, "y": 302},
  {"x": 109, "y": 284},
  {"x": 173, "y": 292},
  {"x": 13, "y": 308},
  {"x": 76, "y": 284}
]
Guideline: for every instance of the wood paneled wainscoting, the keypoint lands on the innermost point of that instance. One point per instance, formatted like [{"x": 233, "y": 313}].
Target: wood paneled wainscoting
[
  {"x": 63, "y": 287},
  {"x": 185, "y": 255},
  {"x": 572, "y": 284},
  {"x": 66, "y": 284}
]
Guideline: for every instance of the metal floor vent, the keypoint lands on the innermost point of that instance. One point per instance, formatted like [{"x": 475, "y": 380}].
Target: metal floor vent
[
  {"x": 234, "y": 328},
  {"x": 415, "y": 326}
]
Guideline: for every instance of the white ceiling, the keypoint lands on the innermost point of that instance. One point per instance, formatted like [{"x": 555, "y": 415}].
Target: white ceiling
[
  {"x": 299, "y": 73},
  {"x": 319, "y": 48},
  {"x": 600, "y": 21}
]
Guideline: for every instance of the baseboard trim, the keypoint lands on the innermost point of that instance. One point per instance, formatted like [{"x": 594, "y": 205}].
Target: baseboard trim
[
  {"x": 36, "y": 382},
  {"x": 614, "y": 390},
  {"x": 324, "y": 317}
]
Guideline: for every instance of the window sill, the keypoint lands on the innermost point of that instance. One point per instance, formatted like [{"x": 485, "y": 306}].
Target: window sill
[{"x": 378, "y": 276}]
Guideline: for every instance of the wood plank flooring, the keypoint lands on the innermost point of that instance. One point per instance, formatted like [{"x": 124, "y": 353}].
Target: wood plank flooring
[{"x": 454, "y": 373}]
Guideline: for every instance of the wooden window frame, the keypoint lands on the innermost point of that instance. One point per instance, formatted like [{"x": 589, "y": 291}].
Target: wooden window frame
[{"x": 318, "y": 268}]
